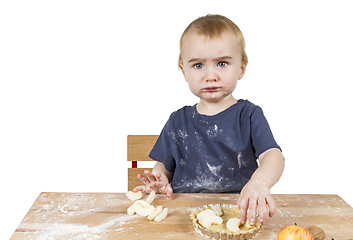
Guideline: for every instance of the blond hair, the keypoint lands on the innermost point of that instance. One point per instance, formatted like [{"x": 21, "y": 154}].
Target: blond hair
[{"x": 212, "y": 26}]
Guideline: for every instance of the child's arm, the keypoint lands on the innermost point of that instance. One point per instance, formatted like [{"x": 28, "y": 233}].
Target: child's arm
[
  {"x": 256, "y": 193},
  {"x": 157, "y": 180}
]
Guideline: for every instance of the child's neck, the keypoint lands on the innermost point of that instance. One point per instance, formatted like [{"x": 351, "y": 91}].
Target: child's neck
[{"x": 213, "y": 107}]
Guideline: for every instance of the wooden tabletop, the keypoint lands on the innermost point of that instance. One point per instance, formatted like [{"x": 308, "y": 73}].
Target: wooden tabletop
[{"x": 103, "y": 216}]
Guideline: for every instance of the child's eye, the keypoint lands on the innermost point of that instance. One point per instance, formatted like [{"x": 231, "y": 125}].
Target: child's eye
[
  {"x": 198, "y": 66},
  {"x": 222, "y": 64}
]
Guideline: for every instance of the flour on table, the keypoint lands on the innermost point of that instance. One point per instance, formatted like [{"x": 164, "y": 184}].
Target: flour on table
[
  {"x": 80, "y": 231},
  {"x": 57, "y": 219}
]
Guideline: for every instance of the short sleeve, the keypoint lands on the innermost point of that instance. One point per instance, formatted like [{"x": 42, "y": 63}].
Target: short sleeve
[
  {"x": 162, "y": 150},
  {"x": 261, "y": 135}
]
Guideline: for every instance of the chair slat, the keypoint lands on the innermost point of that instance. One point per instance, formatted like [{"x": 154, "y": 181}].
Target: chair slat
[{"x": 138, "y": 149}]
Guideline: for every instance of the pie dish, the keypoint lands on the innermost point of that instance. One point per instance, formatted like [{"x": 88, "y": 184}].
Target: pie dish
[{"x": 220, "y": 231}]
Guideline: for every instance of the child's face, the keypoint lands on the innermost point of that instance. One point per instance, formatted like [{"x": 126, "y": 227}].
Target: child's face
[{"x": 211, "y": 67}]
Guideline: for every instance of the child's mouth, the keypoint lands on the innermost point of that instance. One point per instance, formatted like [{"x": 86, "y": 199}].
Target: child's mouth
[{"x": 211, "y": 89}]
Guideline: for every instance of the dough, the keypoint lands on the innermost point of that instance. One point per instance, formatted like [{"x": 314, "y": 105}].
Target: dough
[
  {"x": 247, "y": 224},
  {"x": 233, "y": 224},
  {"x": 155, "y": 213},
  {"x": 162, "y": 215},
  {"x": 229, "y": 212},
  {"x": 151, "y": 197},
  {"x": 134, "y": 195},
  {"x": 208, "y": 217},
  {"x": 217, "y": 209},
  {"x": 143, "y": 208},
  {"x": 203, "y": 214},
  {"x": 131, "y": 210},
  {"x": 209, "y": 220}
]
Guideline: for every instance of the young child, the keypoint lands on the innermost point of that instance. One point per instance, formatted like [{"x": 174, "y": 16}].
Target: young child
[{"x": 213, "y": 146}]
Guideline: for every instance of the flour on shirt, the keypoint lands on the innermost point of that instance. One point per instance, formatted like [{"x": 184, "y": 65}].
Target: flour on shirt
[
  {"x": 213, "y": 131},
  {"x": 182, "y": 134},
  {"x": 241, "y": 160},
  {"x": 182, "y": 162},
  {"x": 205, "y": 182},
  {"x": 214, "y": 169}
]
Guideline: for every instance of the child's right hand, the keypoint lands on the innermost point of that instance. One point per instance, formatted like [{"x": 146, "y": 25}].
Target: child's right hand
[{"x": 158, "y": 183}]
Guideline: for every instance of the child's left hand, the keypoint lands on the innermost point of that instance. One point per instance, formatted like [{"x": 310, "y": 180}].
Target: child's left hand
[{"x": 255, "y": 195}]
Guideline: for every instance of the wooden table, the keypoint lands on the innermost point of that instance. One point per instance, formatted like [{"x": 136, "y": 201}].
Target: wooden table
[{"x": 103, "y": 216}]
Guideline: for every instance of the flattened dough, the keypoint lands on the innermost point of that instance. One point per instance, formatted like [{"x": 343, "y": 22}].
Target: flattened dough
[
  {"x": 217, "y": 209},
  {"x": 210, "y": 220},
  {"x": 155, "y": 213},
  {"x": 203, "y": 214},
  {"x": 143, "y": 208},
  {"x": 233, "y": 224},
  {"x": 134, "y": 195},
  {"x": 151, "y": 197},
  {"x": 162, "y": 215},
  {"x": 131, "y": 210}
]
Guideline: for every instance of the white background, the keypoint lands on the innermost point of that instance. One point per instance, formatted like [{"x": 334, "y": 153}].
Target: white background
[{"x": 76, "y": 77}]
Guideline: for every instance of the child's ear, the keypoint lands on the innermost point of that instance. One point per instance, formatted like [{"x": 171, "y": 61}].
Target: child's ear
[
  {"x": 242, "y": 72},
  {"x": 181, "y": 66}
]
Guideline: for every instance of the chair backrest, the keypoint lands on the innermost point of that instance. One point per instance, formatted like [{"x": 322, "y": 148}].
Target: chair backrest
[{"x": 138, "y": 149}]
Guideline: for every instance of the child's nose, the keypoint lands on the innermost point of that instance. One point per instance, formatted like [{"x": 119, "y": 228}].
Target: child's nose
[{"x": 211, "y": 76}]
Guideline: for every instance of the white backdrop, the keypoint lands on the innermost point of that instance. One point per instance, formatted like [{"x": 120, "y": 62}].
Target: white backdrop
[{"x": 76, "y": 77}]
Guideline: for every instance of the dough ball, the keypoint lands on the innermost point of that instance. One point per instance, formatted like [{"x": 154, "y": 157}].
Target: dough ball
[{"x": 233, "y": 224}]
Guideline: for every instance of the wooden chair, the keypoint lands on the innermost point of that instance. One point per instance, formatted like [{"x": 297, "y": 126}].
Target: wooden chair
[{"x": 138, "y": 149}]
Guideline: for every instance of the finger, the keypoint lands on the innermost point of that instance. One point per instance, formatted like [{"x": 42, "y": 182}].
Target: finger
[
  {"x": 169, "y": 191},
  {"x": 239, "y": 202},
  {"x": 261, "y": 209},
  {"x": 156, "y": 186},
  {"x": 243, "y": 207},
  {"x": 159, "y": 177},
  {"x": 150, "y": 176},
  {"x": 139, "y": 188},
  {"x": 143, "y": 179},
  {"x": 163, "y": 187},
  {"x": 271, "y": 203},
  {"x": 252, "y": 211}
]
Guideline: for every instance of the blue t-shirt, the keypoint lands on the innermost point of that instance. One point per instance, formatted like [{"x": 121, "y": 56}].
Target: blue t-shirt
[{"x": 213, "y": 153}]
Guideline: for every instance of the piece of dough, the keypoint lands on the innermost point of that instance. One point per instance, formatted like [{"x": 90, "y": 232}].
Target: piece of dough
[
  {"x": 207, "y": 212},
  {"x": 217, "y": 209},
  {"x": 143, "y": 203},
  {"x": 233, "y": 224},
  {"x": 131, "y": 210},
  {"x": 155, "y": 213},
  {"x": 151, "y": 197},
  {"x": 134, "y": 195},
  {"x": 162, "y": 215},
  {"x": 208, "y": 220},
  {"x": 143, "y": 208}
]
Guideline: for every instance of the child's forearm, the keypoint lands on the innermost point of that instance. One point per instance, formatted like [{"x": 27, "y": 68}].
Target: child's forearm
[
  {"x": 160, "y": 168},
  {"x": 271, "y": 167}
]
